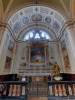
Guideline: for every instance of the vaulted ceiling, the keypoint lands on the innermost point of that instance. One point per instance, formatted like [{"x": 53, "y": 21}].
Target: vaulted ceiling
[
  {"x": 16, "y": 3},
  {"x": 64, "y": 6}
]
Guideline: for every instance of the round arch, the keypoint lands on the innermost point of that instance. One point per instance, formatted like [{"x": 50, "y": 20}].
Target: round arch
[{"x": 36, "y": 14}]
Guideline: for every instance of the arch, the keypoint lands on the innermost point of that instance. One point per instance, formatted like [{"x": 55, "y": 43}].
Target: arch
[
  {"x": 37, "y": 34},
  {"x": 45, "y": 27},
  {"x": 39, "y": 14}
]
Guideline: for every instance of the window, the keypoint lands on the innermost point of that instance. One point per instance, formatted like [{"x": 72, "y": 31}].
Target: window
[{"x": 36, "y": 34}]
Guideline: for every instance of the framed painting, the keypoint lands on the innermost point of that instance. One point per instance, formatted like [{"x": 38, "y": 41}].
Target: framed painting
[
  {"x": 48, "y": 19},
  {"x": 7, "y": 39},
  {"x": 56, "y": 25},
  {"x": 10, "y": 47},
  {"x": 25, "y": 20},
  {"x": 7, "y": 63},
  {"x": 37, "y": 18},
  {"x": 67, "y": 63},
  {"x": 63, "y": 43},
  {"x": 37, "y": 55}
]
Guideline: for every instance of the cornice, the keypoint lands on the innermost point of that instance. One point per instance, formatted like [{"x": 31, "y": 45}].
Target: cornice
[{"x": 65, "y": 26}]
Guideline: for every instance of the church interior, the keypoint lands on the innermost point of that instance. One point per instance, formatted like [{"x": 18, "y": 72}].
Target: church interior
[{"x": 37, "y": 49}]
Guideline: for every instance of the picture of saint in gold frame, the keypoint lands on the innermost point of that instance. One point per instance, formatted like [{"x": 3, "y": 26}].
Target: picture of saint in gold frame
[{"x": 37, "y": 55}]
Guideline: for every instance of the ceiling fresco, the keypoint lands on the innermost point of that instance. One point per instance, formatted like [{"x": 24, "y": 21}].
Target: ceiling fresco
[
  {"x": 28, "y": 15},
  {"x": 53, "y": 13}
]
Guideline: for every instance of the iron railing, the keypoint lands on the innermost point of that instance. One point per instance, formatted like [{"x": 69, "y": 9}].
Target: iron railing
[{"x": 35, "y": 90}]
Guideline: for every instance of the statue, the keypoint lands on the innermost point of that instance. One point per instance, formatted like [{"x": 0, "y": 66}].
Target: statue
[
  {"x": 57, "y": 72},
  {"x": 56, "y": 69}
]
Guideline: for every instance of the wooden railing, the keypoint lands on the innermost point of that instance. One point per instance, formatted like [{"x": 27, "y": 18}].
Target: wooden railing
[
  {"x": 65, "y": 90},
  {"x": 23, "y": 90},
  {"x": 13, "y": 90}
]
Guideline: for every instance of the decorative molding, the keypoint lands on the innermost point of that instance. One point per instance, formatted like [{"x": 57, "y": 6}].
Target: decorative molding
[{"x": 67, "y": 24}]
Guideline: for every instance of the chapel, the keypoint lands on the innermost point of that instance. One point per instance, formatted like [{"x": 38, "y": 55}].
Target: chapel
[{"x": 37, "y": 49}]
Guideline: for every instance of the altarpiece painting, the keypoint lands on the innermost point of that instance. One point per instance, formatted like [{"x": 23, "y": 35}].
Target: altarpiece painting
[{"x": 37, "y": 54}]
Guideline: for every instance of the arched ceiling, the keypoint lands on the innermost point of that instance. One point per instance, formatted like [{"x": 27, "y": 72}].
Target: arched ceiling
[
  {"x": 48, "y": 29},
  {"x": 24, "y": 19},
  {"x": 20, "y": 2},
  {"x": 65, "y": 6},
  {"x": 52, "y": 13}
]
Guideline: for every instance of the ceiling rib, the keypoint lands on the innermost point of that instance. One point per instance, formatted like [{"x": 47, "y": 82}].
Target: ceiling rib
[
  {"x": 1, "y": 10},
  {"x": 8, "y": 7},
  {"x": 64, "y": 6}
]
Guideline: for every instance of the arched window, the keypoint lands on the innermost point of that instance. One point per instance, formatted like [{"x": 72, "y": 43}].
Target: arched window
[{"x": 36, "y": 34}]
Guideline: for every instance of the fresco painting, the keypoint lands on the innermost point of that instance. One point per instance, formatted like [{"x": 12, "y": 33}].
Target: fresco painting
[
  {"x": 63, "y": 44},
  {"x": 25, "y": 20},
  {"x": 67, "y": 63},
  {"x": 36, "y": 18},
  {"x": 10, "y": 47},
  {"x": 7, "y": 63},
  {"x": 48, "y": 19}
]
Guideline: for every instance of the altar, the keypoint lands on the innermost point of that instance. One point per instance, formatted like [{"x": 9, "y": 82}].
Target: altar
[
  {"x": 37, "y": 65},
  {"x": 39, "y": 77},
  {"x": 37, "y": 74}
]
